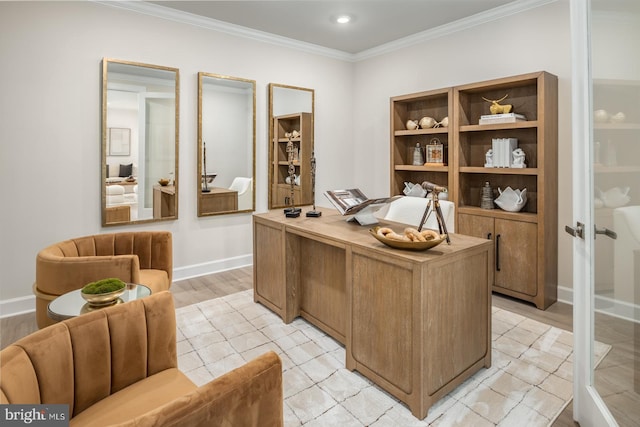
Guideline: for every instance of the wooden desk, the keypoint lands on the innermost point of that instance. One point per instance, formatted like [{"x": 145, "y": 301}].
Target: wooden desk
[
  {"x": 415, "y": 323},
  {"x": 116, "y": 214},
  {"x": 164, "y": 201},
  {"x": 218, "y": 200}
]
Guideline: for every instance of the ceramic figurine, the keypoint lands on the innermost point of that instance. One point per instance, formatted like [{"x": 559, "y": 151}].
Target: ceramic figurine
[
  {"x": 518, "y": 158},
  {"x": 617, "y": 118},
  {"x": 486, "y": 201},
  {"x": 442, "y": 123},
  {"x": 488, "y": 159},
  {"x": 600, "y": 116},
  {"x": 427, "y": 122},
  {"x": 418, "y": 158},
  {"x": 615, "y": 197},
  {"x": 412, "y": 125}
]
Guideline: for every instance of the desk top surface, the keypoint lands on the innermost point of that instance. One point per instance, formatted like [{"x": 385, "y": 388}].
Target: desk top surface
[
  {"x": 333, "y": 227},
  {"x": 214, "y": 191}
]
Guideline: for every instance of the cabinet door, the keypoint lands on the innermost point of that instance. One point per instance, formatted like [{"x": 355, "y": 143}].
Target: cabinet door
[
  {"x": 282, "y": 196},
  {"x": 516, "y": 256},
  {"x": 474, "y": 225}
]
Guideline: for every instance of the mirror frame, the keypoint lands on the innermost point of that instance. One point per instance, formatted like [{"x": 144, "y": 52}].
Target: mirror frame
[
  {"x": 199, "y": 171},
  {"x": 272, "y": 86},
  {"x": 105, "y": 133}
]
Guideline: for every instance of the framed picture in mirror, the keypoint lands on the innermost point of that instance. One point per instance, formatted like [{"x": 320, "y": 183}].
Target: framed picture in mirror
[{"x": 119, "y": 141}]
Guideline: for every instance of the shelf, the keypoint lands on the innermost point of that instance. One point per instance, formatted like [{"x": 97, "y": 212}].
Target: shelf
[
  {"x": 500, "y": 126},
  {"x": 412, "y": 168},
  {"x": 616, "y": 169},
  {"x": 431, "y": 131},
  {"x": 499, "y": 171},
  {"x": 616, "y": 126},
  {"x": 499, "y": 213}
]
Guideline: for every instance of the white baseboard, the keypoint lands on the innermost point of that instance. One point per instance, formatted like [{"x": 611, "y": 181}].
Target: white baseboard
[
  {"x": 197, "y": 270},
  {"x": 16, "y": 306},
  {"x": 605, "y": 305},
  {"x": 23, "y": 305}
]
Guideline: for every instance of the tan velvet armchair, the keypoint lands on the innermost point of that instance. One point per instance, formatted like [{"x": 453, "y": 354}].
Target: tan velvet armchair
[
  {"x": 118, "y": 367},
  {"x": 144, "y": 257}
]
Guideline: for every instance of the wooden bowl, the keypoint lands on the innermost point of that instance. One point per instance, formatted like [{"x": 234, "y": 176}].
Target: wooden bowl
[
  {"x": 163, "y": 182},
  {"x": 411, "y": 246}
]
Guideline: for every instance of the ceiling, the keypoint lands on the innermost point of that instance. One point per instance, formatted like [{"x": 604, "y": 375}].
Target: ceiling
[{"x": 374, "y": 22}]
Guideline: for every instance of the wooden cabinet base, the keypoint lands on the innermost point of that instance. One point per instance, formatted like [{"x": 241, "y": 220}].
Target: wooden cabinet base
[{"x": 417, "y": 324}]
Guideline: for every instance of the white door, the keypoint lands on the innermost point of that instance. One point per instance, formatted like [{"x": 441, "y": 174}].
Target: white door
[{"x": 606, "y": 204}]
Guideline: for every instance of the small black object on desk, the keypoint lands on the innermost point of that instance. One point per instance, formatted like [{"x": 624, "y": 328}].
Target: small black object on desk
[{"x": 292, "y": 212}]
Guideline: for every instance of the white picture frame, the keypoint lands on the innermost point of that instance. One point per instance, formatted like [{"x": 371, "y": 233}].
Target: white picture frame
[{"x": 119, "y": 141}]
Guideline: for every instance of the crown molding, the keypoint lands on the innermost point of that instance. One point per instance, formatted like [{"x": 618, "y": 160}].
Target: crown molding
[
  {"x": 223, "y": 27},
  {"x": 452, "y": 27},
  {"x": 262, "y": 36}
]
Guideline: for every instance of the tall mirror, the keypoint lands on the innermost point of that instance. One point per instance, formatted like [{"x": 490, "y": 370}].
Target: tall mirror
[
  {"x": 226, "y": 144},
  {"x": 291, "y": 145},
  {"x": 140, "y": 117}
]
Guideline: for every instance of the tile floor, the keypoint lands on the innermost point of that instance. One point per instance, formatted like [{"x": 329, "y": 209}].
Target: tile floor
[{"x": 529, "y": 382}]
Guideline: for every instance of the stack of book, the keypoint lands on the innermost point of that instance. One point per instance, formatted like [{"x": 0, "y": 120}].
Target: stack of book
[
  {"x": 502, "y": 149},
  {"x": 492, "y": 119}
]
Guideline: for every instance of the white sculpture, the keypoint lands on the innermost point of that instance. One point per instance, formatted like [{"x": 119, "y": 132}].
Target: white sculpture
[
  {"x": 488, "y": 159},
  {"x": 518, "y": 158}
]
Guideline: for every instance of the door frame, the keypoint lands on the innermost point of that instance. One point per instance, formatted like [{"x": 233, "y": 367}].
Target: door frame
[{"x": 588, "y": 407}]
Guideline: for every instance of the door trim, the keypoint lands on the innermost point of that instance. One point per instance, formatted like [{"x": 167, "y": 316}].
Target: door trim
[{"x": 588, "y": 407}]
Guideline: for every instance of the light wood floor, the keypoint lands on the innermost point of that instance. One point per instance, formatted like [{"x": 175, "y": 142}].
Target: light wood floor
[{"x": 613, "y": 376}]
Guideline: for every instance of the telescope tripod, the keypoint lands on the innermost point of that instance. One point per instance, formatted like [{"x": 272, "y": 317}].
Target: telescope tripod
[{"x": 442, "y": 227}]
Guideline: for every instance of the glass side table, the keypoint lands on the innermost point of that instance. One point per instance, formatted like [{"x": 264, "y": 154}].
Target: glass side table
[{"x": 72, "y": 304}]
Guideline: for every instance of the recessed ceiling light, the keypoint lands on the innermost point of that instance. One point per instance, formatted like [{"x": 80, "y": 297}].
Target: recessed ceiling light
[{"x": 343, "y": 19}]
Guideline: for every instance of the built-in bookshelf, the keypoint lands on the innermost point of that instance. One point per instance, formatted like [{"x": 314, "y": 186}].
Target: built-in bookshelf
[
  {"x": 525, "y": 241},
  {"x": 297, "y": 129}
]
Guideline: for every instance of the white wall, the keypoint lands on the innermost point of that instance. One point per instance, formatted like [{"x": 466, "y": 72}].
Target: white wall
[
  {"x": 535, "y": 40},
  {"x": 50, "y": 109},
  {"x": 50, "y": 135}
]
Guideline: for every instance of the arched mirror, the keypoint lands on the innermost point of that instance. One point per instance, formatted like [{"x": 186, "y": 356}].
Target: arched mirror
[
  {"x": 226, "y": 144},
  {"x": 140, "y": 117},
  {"x": 291, "y": 145}
]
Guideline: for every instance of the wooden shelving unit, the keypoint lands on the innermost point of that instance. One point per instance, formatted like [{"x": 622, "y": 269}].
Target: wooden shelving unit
[
  {"x": 303, "y": 146},
  {"x": 436, "y": 104},
  {"x": 525, "y": 242}
]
